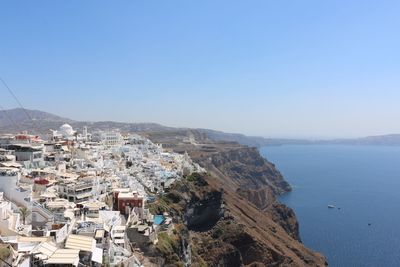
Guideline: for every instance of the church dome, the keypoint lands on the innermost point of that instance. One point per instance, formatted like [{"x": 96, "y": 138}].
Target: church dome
[{"x": 66, "y": 130}]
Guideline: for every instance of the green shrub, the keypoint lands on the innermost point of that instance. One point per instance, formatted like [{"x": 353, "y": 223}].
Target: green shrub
[
  {"x": 174, "y": 197},
  {"x": 5, "y": 252},
  {"x": 217, "y": 233},
  {"x": 197, "y": 179},
  {"x": 166, "y": 245},
  {"x": 194, "y": 177}
]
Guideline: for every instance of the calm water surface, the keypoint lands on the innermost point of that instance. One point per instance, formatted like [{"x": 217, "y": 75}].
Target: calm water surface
[{"x": 363, "y": 181}]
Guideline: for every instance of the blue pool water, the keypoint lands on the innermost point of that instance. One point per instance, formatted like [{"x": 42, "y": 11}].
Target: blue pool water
[
  {"x": 364, "y": 181},
  {"x": 158, "y": 219}
]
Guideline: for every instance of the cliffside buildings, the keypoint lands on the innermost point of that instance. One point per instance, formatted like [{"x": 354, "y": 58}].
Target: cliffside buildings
[
  {"x": 108, "y": 138},
  {"x": 80, "y": 198}
]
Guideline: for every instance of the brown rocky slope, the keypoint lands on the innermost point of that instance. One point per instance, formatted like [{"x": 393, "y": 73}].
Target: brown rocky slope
[{"x": 232, "y": 213}]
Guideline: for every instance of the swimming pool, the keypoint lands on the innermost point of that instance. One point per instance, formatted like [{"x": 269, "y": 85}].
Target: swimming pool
[{"x": 158, "y": 219}]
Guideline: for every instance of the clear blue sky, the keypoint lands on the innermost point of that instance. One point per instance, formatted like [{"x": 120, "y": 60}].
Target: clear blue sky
[{"x": 270, "y": 68}]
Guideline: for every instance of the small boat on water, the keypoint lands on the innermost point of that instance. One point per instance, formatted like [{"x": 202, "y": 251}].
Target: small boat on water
[{"x": 331, "y": 206}]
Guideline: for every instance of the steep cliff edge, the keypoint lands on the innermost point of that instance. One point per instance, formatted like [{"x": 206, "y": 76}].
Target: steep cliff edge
[
  {"x": 247, "y": 226},
  {"x": 256, "y": 180},
  {"x": 248, "y": 168}
]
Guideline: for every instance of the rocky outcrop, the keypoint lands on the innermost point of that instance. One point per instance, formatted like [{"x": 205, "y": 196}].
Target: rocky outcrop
[
  {"x": 201, "y": 214},
  {"x": 248, "y": 168},
  {"x": 260, "y": 197},
  {"x": 254, "y": 228},
  {"x": 285, "y": 217}
]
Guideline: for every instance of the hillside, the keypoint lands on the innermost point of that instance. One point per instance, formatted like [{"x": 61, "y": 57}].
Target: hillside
[
  {"x": 253, "y": 141},
  {"x": 232, "y": 213},
  {"x": 16, "y": 120}
]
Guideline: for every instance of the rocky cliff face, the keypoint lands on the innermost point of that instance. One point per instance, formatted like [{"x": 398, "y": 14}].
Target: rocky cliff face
[
  {"x": 203, "y": 213},
  {"x": 246, "y": 225},
  {"x": 248, "y": 168},
  {"x": 285, "y": 217}
]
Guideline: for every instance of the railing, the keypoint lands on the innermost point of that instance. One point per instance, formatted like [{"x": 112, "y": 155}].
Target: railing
[
  {"x": 42, "y": 209},
  {"x": 81, "y": 187}
]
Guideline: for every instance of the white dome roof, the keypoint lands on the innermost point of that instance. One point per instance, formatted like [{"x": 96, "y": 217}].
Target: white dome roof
[{"x": 66, "y": 130}]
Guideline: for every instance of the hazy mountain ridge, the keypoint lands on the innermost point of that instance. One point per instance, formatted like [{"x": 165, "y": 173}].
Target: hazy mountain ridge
[
  {"x": 257, "y": 141},
  {"x": 19, "y": 116},
  {"x": 384, "y": 140},
  {"x": 15, "y": 120},
  {"x": 253, "y": 141}
]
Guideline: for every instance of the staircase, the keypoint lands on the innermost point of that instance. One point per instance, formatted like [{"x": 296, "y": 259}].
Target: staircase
[{"x": 42, "y": 211}]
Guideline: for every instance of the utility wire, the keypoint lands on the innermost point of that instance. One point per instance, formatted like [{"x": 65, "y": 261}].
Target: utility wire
[{"x": 19, "y": 103}]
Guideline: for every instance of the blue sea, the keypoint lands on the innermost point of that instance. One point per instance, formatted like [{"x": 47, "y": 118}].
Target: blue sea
[{"x": 363, "y": 181}]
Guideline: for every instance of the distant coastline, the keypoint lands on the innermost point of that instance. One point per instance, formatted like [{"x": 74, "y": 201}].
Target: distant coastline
[
  {"x": 256, "y": 141},
  {"x": 14, "y": 120}
]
